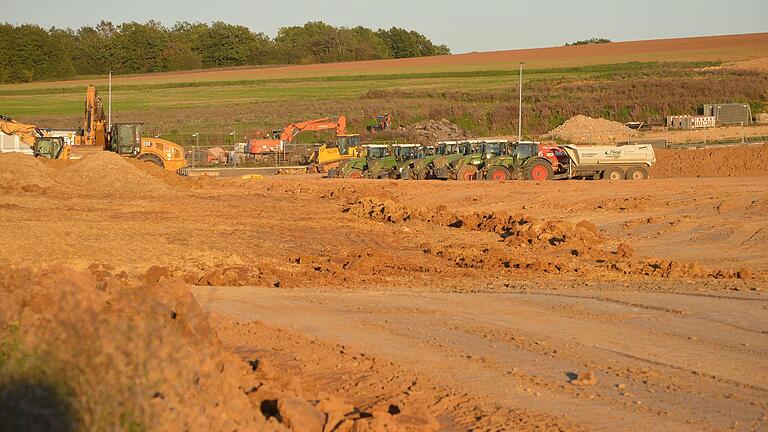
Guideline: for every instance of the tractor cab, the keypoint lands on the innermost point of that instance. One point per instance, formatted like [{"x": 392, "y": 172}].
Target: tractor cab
[
  {"x": 347, "y": 142},
  {"x": 492, "y": 149},
  {"x": 376, "y": 151},
  {"x": 125, "y": 139},
  {"x": 49, "y": 147},
  {"x": 404, "y": 152},
  {"x": 524, "y": 149}
]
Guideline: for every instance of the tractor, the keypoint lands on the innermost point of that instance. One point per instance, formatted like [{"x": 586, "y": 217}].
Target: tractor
[
  {"x": 409, "y": 168},
  {"x": 526, "y": 160},
  {"x": 390, "y": 166},
  {"x": 439, "y": 166},
  {"x": 356, "y": 168},
  {"x": 468, "y": 160}
]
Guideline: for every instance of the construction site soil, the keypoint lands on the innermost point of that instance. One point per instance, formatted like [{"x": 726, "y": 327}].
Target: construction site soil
[{"x": 310, "y": 304}]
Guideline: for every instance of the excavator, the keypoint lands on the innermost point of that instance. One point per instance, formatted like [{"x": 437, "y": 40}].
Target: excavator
[
  {"x": 42, "y": 144},
  {"x": 125, "y": 138},
  {"x": 346, "y": 146}
]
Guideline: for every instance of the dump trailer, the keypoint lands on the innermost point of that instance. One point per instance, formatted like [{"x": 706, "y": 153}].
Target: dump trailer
[{"x": 630, "y": 162}]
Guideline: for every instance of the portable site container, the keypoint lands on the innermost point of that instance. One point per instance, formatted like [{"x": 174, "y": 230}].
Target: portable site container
[
  {"x": 730, "y": 113},
  {"x": 13, "y": 144},
  {"x": 691, "y": 122}
]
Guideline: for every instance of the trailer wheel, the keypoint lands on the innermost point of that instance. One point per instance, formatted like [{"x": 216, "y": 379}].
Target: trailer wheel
[
  {"x": 498, "y": 174},
  {"x": 467, "y": 173},
  {"x": 539, "y": 170},
  {"x": 614, "y": 173},
  {"x": 354, "y": 174},
  {"x": 637, "y": 173}
]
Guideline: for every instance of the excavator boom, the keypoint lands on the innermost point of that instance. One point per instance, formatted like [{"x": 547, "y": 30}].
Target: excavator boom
[
  {"x": 94, "y": 131},
  {"x": 27, "y": 133},
  {"x": 339, "y": 125}
]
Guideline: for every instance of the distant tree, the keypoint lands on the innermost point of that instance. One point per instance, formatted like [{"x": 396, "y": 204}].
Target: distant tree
[
  {"x": 31, "y": 53},
  {"x": 593, "y": 41},
  {"x": 139, "y": 48},
  {"x": 403, "y": 44},
  {"x": 225, "y": 45}
]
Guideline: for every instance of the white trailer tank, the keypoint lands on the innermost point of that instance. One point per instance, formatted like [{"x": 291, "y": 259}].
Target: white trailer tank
[{"x": 630, "y": 162}]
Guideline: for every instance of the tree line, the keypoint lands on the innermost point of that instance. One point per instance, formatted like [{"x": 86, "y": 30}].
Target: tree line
[{"x": 32, "y": 53}]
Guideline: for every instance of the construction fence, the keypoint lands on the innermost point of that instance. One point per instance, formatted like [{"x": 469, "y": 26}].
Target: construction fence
[{"x": 233, "y": 149}]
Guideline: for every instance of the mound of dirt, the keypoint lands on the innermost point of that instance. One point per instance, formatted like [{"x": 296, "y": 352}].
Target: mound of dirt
[
  {"x": 114, "y": 356},
  {"x": 20, "y": 172},
  {"x": 534, "y": 244},
  {"x": 107, "y": 172},
  {"x": 170, "y": 178},
  {"x": 581, "y": 129},
  {"x": 432, "y": 131},
  {"x": 516, "y": 229},
  {"x": 737, "y": 161}
]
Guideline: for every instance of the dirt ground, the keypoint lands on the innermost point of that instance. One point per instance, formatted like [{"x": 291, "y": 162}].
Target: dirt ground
[{"x": 572, "y": 305}]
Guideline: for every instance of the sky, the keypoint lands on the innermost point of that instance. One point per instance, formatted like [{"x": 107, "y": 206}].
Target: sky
[{"x": 465, "y": 26}]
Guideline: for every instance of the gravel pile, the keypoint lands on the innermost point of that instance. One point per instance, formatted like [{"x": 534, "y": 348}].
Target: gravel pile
[
  {"x": 587, "y": 130},
  {"x": 432, "y": 131}
]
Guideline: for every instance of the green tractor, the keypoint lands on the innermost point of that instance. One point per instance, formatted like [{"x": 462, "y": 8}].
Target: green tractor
[
  {"x": 358, "y": 167},
  {"x": 409, "y": 168},
  {"x": 525, "y": 160},
  {"x": 390, "y": 166},
  {"x": 438, "y": 165},
  {"x": 468, "y": 159}
]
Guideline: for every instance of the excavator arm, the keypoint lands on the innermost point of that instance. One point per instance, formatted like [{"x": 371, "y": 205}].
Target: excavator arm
[
  {"x": 94, "y": 131},
  {"x": 27, "y": 133},
  {"x": 339, "y": 125}
]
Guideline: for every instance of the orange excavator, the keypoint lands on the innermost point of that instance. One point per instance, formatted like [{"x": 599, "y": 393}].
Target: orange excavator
[{"x": 346, "y": 146}]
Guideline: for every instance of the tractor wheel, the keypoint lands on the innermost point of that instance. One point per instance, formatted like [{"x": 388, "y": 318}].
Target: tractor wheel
[
  {"x": 614, "y": 173},
  {"x": 498, "y": 174},
  {"x": 467, "y": 173},
  {"x": 637, "y": 173},
  {"x": 354, "y": 174},
  {"x": 151, "y": 158},
  {"x": 539, "y": 170},
  {"x": 422, "y": 175}
]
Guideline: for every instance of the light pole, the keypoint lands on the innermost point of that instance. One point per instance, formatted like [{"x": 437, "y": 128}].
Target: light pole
[
  {"x": 520, "y": 107},
  {"x": 194, "y": 152},
  {"x": 234, "y": 147}
]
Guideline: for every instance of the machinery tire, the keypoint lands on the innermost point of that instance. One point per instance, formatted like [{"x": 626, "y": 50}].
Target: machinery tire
[
  {"x": 637, "y": 173},
  {"x": 498, "y": 174},
  {"x": 152, "y": 159},
  {"x": 422, "y": 175},
  {"x": 354, "y": 174},
  {"x": 467, "y": 173},
  {"x": 613, "y": 173},
  {"x": 539, "y": 170}
]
